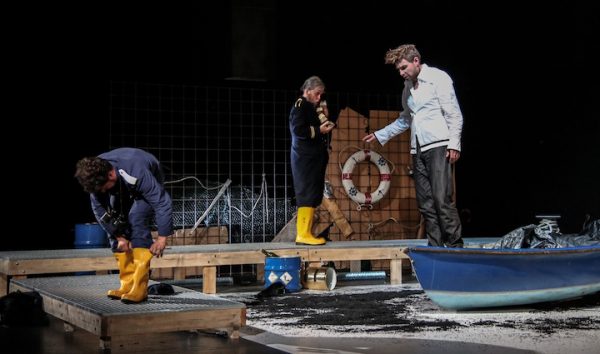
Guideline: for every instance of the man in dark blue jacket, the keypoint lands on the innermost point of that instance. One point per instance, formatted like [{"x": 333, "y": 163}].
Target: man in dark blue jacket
[{"x": 126, "y": 187}]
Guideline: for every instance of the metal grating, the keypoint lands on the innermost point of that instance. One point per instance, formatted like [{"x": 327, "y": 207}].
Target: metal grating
[{"x": 88, "y": 292}]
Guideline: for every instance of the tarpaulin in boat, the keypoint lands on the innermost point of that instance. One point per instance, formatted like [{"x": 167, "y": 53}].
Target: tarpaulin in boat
[{"x": 546, "y": 234}]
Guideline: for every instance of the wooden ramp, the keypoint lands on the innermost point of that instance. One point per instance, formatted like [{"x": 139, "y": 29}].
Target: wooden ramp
[{"x": 81, "y": 302}]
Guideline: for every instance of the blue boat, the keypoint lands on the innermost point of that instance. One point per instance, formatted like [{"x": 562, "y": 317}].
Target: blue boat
[{"x": 470, "y": 278}]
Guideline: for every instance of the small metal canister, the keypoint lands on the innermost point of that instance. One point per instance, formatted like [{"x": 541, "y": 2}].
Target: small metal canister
[{"x": 323, "y": 278}]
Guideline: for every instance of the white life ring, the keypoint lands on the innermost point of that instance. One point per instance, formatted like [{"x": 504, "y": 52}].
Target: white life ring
[{"x": 385, "y": 177}]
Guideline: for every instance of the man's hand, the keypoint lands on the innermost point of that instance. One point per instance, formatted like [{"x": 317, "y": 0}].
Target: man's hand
[
  {"x": 370, "y": 138},
  {"x": 326, "y": 127},
  {"x": 123, "y": 244},
  {"x": 159, "y": 246},
  {"x": 452, "y": 155}
]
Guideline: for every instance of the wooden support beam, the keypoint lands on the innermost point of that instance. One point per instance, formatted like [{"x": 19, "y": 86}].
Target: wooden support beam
[
  {"x": 355, "y": 266},
  {"x": 179, "y": 273},
  {"x": 4, "y": 279},
  {"x": 396, "y": 271},
  {"x": 209, "y": 280}
]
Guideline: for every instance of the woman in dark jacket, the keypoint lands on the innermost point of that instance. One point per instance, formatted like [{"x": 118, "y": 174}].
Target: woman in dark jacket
[{"x": 309, "y": 127}]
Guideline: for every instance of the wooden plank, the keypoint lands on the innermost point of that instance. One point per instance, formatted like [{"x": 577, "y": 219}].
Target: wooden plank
[
  {"x": 61, "y": 265},
  {"x": 288, "y": 232},
  {"x": 338, "y": 217},
  {"x": 143, "y": 323},
  {"x": 221, "y": 258},
  {"x": 197, "y": 256},
  {"x": 324, "y": 254}
]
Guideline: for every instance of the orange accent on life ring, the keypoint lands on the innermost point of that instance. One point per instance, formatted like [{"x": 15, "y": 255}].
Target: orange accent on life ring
[{"x": 385, "y": 177}]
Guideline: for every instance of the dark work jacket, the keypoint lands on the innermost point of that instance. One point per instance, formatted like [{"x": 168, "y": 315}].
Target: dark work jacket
[
  {"x": 139, "y": 178},
  {"x": 309, "y": 154}
]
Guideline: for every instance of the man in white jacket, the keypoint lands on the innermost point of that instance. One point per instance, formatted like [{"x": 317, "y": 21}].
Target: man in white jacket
[{"x": 431, "y": 111}]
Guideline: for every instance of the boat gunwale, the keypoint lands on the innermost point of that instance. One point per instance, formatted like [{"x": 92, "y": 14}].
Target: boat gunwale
[{"x": 506, "y": 251}]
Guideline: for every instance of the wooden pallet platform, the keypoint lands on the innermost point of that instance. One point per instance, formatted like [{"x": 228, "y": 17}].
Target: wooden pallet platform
[
  {"x": 21, "y": 264},
  {"x": 81, "y": 302}
]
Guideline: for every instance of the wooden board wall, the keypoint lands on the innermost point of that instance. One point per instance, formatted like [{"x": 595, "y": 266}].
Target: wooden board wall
[{"x": 396, "y": 215}]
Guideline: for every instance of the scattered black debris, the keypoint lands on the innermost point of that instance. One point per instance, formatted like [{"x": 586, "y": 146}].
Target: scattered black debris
[
  {"x": 377, "y": 311},
  {"x": 161, "y": 289},
  {"x": 402, "y": 311},
  {"x": 275, "y": 289},
  {"x": 589, "y": 301}
]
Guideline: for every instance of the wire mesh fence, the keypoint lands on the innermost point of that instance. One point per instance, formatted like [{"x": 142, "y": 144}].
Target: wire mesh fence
[{"x": 205, "y": 137}]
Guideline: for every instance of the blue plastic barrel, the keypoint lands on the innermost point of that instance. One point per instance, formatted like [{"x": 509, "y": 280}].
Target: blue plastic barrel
[
  {"x": 285, "y": 270},
  {"x": 90, "y": 235}
]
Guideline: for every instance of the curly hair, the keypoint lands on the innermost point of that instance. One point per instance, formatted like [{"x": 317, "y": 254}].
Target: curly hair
[
  {"x": 92, "y": 173},
  {"x": 405, "y": 51}
]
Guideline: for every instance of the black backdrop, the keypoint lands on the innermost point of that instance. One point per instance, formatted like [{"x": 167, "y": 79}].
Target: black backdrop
[{"x": 526, "y": 80}]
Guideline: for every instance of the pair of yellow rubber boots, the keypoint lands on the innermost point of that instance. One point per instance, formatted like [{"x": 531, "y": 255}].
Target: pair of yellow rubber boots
[
  {"x": 304, "y": 223},
  {"x": 134, "y": 271}
]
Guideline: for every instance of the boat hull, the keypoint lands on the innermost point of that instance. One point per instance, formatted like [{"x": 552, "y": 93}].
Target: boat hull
[{"x": 467, "y": 278}]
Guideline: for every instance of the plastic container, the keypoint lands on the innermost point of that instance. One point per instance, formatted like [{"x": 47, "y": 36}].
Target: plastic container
[
  {"x": 90, "y": 235},
  {"x": 285, "y": 270}
]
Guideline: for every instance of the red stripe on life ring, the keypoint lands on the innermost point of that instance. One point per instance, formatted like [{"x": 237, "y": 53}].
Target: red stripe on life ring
[
  {"x": 346, "y": 175},
  {"x": 385, "y": 177},
  {"x": 367, "y": 155},
  {"x": 368, "y": 198}
]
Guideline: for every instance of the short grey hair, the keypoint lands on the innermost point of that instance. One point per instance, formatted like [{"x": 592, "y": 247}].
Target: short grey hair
[{"x": 312, "y": 83}]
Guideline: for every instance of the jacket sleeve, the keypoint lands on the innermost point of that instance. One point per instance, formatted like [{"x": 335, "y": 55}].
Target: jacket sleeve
[
  {"x": 99, "y": 212},
  {"x": 299, "y": 123},
  {"x": 401, "y": 124},
  {"x": 155, "y": 194},
  {"x": 451, "y": 110}
]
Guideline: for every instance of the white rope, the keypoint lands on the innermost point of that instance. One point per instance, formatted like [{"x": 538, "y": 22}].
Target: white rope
[
  {"x": 547, "y": 226},
  {"x": 372, "y": 228},
  {"x": 263, "y": 189},
  {"x": 197, "y": 180}
]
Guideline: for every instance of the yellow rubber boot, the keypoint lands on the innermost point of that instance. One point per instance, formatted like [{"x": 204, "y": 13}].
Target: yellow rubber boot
[
  {"x": 304, "y": 222},
  {"x": 126, "y": 269},
  {"x": 139, "y": 290}
]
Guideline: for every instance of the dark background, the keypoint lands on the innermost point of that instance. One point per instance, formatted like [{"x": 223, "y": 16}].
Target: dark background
[{"x": 526, "y": 80}]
